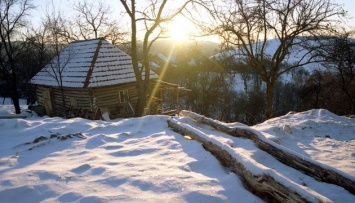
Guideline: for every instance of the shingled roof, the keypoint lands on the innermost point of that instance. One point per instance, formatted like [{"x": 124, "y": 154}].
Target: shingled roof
[{"x": 89, "y": 63}]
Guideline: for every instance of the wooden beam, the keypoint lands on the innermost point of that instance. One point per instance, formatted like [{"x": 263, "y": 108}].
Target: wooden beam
[{"x": 94, "y": 58}]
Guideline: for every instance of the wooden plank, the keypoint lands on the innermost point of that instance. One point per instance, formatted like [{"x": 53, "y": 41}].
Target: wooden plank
[{"x": 170, "y": 113}]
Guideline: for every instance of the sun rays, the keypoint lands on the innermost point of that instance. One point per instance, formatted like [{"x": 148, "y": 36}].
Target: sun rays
[{"x": 180, "y": 30}]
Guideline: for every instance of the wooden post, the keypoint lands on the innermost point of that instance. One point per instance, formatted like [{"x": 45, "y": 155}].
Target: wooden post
[
  {"x": 161, "y": 101},
  {"x": 177, "y": 101}
]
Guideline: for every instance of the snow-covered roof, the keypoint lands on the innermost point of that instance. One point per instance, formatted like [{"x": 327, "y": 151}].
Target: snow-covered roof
[
  {"x": 170, "y": 59},
  {"x": 154, "y": 65},
  {"x": 89, "y": 63}
]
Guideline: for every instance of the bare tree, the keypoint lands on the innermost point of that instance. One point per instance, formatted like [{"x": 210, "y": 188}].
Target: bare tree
[
  {"x": 34, "y": 58},
  {"x": 55, "y": 34},
  {"x": 93, "y": 21},
  {"x": 12, "y": 19},
  {"x": 248, "y": 24},
  {"x": 152, "y": 18},
  {"x": 338, "y": 54}
]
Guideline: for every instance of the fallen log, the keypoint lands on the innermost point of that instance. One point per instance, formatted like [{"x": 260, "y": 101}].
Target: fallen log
[
  {"x": 262, "y": 184},
  {"x": 12, "y": 116},
  {"x": 310, "y": 167}
]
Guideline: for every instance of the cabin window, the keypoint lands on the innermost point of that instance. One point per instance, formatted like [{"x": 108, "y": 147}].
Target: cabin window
[{"x": 123, "y": 96}]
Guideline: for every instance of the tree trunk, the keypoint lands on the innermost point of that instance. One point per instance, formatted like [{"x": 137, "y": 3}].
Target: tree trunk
[
  {"x": 15, "y": 99},
  {"x": 293, "y": 160},
  {"x": 134, "y": 54},
  {"x": 142, "y": 94},
  {"x": 63, "y": 101},
  {"x": 15, "y": 96},
  {"x": 269, "y": 100}
]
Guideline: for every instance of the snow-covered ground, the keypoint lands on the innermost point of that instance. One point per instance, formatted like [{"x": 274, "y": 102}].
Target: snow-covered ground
[
  {"x": 45, "y": 159},
  {"x": 317, "y": 134}
]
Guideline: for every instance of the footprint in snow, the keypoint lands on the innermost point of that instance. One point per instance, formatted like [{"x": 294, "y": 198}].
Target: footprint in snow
[
  {"x": 81, "y": 169},
  {"x": 113, "y": 147}
]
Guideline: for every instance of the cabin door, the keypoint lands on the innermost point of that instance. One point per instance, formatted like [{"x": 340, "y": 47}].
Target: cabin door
[{"x": 47, "y": 101}]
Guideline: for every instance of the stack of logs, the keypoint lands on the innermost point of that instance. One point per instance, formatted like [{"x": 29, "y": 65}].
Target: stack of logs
[{"x": 263, "y": 184}]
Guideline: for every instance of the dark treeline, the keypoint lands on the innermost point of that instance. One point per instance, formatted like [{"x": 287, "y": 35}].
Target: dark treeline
[{"x": 228, "y": 90}]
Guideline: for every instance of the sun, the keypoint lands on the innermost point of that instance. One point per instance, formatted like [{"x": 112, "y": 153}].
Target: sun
[{"x": 180, "y": 30}]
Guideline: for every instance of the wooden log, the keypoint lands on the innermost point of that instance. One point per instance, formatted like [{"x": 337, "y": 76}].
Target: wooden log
[
  {"x": 284, "y": 155},
  {"x": 263, "y": 185},
  {"x": 12, "y": 116},
  {"x": 169, "y": 113}
]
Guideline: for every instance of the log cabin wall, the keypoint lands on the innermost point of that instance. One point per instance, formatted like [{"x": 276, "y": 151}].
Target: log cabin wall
[
  {"x": 40, "y": 97},
  {"x": 75, "y": 99},
  {"x": 118, "y": 105},
  {"x": 107, "y": 99}
]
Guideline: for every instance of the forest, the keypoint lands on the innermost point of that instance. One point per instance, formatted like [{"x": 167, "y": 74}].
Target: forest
[{"x": 246, "y": 77}]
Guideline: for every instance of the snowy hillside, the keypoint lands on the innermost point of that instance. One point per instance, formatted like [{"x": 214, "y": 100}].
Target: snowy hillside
[
  {"x": 46, "y": 159},
  {"x": 296, "y": 54}
]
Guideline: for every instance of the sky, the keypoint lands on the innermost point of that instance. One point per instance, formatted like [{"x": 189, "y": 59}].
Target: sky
[
  {"x": 184, "y": 33},
  {"x": 349, "y": 5}
]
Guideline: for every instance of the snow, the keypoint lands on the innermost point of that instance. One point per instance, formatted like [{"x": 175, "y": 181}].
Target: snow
[
  {"x": 316, "y": 134},
  {"x": 141, "y": 159},
  {"x": 78, "y": 58}
]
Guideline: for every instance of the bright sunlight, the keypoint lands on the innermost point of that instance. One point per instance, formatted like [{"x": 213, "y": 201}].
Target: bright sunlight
[{"x": 181, "y": 30}]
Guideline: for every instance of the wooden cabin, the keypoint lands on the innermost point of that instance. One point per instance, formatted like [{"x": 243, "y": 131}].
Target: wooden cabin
[{"x": 95, "y": 77}]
